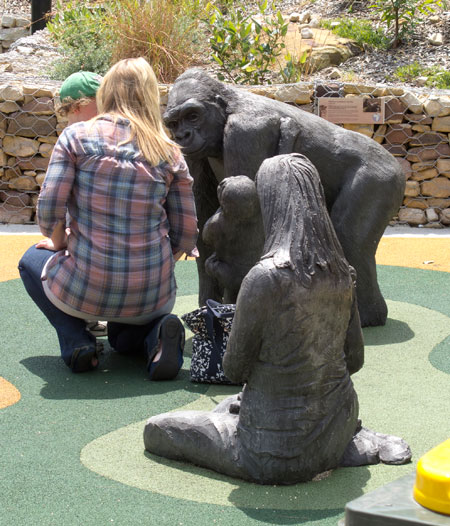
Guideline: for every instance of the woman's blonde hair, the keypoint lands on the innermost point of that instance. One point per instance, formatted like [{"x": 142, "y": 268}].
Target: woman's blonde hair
[{"x": 130, "y": 89}]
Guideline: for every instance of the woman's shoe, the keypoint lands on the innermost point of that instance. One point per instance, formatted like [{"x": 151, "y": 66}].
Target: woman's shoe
[
  {"x": 85, "y": 358},
  {"x": 166, "y": 336}
]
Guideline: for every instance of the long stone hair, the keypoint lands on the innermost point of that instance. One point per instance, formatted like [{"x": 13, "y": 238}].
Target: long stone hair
[{"x": 298, "y": 230}]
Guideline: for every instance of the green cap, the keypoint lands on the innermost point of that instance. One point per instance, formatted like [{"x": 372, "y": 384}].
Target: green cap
[{"x": 79, "y": 85}]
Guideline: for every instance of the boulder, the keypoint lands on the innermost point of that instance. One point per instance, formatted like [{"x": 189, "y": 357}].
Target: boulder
[
  {"x": 15, "y": 214},
  {"x": 438, "y": 187},
  {"x": 20, "y": 146},
  {"x": 412, "y": 216}
]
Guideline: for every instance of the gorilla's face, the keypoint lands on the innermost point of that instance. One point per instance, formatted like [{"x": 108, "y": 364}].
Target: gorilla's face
[{"x": 196, "y": 124}]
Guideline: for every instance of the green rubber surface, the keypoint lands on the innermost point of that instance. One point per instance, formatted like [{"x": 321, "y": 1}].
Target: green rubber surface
[{"x": 72, "y": 450}]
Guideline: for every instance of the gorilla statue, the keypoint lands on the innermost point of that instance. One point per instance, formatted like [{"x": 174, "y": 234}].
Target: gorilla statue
[{"x": 226, "y": 131}]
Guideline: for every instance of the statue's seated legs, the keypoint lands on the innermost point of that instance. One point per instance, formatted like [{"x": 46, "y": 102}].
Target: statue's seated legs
[{"x": 207, "y": 439}]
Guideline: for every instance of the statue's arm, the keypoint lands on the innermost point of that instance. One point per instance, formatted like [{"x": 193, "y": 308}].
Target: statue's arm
[
  {"x": 248, "y": 140},
  {"x": 246, "y": 335},
  {"x": 354, "y": 343}
]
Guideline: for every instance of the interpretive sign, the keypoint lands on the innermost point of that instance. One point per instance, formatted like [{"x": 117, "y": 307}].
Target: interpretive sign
[{"x": 354, "y": 110}]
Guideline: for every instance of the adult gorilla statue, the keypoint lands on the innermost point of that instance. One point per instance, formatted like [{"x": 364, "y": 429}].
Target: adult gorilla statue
[{"x": 225, "y": 131}]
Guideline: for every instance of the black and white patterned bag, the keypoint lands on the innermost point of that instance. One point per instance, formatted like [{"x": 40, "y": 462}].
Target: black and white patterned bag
[{"x": 211, "y": 326}]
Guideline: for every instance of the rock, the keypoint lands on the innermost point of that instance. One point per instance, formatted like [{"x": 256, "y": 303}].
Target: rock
[
  {"x": 50, "y": 139},
  {"x": 12, "y": 197},
  {"x": 406, "y": 167},
  {"x": 436, "y": 202},
  {"x": 431, "y": 215},
  {"x": 314, "y": 23},
  {"x": 33, "y": 163},
  {"x": 397, "y": 150},
  {"x": 13, "y": 33},
  {"x": 412, "y": 102},
  {"x": 437, "y": 106},
  {"x": 25, "y": 183},
  {"x": 27, "y": 125},
  {"x": 444, "y": 216},
  {"x": 364, "y": 129},
  {"x": 441, "y": 124},
  {"x": 40, "y": 178},
  {"x": 293, "y": 93},
  {"x": 326, "y": 56},
  {"x": 421, "y": 81},
  {"x": 436, "y": 39},
  {"x": 46, "y": 149},
  {"x": 304, "y": 17},
  {"x": 438, "y": 187},
  {"x": 21, "y": 21},
  {"x": 413, "y": 216},
  {"x": 399, "y": 133},
  {"x": 11, "y": 93},
  {"x": 294, "y": 17},
  {"x": 39, "y": 106},
  {"x": 335, "y": 73},
  {"x": 421, "y": 128},
  {"x": 9, "y": 107},
  {"x": 428, "y": 139},
  {"x": 419, "y": 119},
  {"x": 379, "y": 134},
  {"x": 306, "y": 33},
  {"x": 25, "y": 50},
  {"x": 434, "y": 19},
  {"x": 5, "y": 67},
  {"x": 420, "y": 154},
  {"x": 20, "y": 146},
  {"x": 430, "y": 173},
  {"x": 443, "y": 167},
  {"x": 39, "y": 90},
  {"x": 15, "y": 214},
  {"x": 394, "y": 110},
  {"x": 8, "y": 21},
  {"x": 415, "y": 203},
  {"x": 412, "y": 189}
]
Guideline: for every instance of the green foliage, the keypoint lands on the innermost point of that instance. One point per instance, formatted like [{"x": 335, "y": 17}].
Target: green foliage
[
  {"x": 295, "y": 69},
  {"x": 436, "y": 77},
  {"x": 79, "y": 30},
  {"x": 245, "y": 48},
  {"x": 404, "y": 15},
  {"x": 94, "y": 35},
  {"x": 361, "y": 31}
]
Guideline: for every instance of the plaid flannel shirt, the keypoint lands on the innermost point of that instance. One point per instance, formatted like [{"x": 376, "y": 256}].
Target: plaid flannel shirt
[{"x": 126, "y": 218}]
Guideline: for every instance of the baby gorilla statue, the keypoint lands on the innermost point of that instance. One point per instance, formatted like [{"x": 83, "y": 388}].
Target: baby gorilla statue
[{"x": 235, "y": 232}]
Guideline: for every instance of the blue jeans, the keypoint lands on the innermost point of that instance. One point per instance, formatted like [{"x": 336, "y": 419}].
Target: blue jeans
[{"x": 71, "y": 331}]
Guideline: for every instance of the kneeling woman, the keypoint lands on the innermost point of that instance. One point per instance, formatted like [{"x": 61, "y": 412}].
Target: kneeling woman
[
  {"x": 295, "y": 340},
  {"x": 118, "y": 208}
]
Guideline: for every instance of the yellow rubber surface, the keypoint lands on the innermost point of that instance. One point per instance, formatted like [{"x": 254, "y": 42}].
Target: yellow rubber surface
[{"x": 9, "y": 395}]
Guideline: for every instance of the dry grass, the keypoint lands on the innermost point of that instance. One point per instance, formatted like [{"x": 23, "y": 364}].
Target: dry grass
[{"x": 156, "y": 30}]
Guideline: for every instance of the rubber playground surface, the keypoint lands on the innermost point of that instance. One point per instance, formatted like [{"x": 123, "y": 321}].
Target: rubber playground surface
[{"x": 71, "y": 445}]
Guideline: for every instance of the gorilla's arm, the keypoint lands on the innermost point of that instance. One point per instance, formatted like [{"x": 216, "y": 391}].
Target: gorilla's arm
[
  {"x": 205, "y": 193},
  {"x": 248, "y": 140}
]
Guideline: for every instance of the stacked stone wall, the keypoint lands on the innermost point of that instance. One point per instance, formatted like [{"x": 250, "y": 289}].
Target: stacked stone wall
[
  {"x": 416, "y": 131},
  {"x": 12, "y": 27}
]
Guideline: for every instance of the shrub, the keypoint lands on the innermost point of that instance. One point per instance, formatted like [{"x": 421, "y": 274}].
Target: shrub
[
  {"x": 404, "y": 15},
  {"x": 245, "y": 48},
  {"x": 436, "y": 77},
  {"x": 160, "y": 30},
  {"x": 94, "y": 35},
  {"x": 361, "y": 31},
  {"x": 78, "y": 29}
]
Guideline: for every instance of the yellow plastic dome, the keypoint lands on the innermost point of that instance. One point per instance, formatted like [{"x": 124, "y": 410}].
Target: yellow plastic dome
[{"x": 432, "y": 487}]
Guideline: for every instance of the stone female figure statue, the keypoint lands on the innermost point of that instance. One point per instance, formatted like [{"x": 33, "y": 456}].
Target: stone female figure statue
[{"x": 295, "y": 341}]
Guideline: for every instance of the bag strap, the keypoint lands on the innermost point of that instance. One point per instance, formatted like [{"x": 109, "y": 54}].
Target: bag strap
[{"x": 212, "y": 306}]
